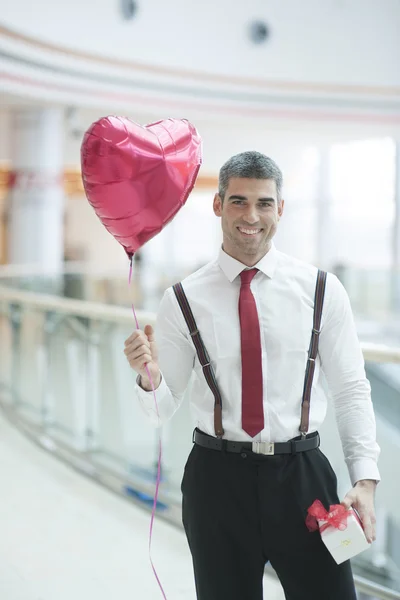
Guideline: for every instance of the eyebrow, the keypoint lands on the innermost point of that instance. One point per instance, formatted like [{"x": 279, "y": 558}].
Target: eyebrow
[{"x": 237, "y": 197}]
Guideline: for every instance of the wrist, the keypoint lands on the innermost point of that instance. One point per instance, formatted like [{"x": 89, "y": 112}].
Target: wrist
[
  {"x": 145, "y": 383},
  {"x": 366, "y": 483}
]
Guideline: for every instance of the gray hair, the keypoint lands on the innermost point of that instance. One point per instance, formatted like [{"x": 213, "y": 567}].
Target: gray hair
[{"x": 249, "y": 165}]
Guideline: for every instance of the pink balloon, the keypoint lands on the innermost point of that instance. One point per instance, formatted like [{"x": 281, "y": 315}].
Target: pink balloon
[{"x": 138, "y": 177}]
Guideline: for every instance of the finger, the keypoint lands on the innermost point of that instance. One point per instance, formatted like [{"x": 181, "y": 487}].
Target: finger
[
  {"x": 149, "y": 331},
  {"x": 146, "y": 360},
  {"x": 368, "y": 529},
  {"x": 143, "y": 345},
  {"x": 136, "y": 344},
  {"x": 138, "y": 364},
  {"x": 368, "y": 521},
  {"x": 373, "y": 525},
  {"x": 139, "y": 353},
  {"x": 133, "y": 336}
]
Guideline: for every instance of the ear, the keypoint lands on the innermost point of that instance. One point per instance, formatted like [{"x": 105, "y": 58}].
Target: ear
[
  {"x": 281, "y": 206},
  {"x": 217, "y": 205}
]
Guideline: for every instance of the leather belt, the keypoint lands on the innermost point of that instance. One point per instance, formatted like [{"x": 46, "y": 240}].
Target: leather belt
[{"x": 299, "y": 444}]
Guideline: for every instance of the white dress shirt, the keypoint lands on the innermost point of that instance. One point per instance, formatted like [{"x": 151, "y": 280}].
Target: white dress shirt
[{"x": 284, "y": 292}]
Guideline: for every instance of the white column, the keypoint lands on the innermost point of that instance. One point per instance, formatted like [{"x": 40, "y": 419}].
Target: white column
[
  {"x": 36, "y": 203},
  {"x": 325, "y": 251},
  {"x": 396, "y": 236}
]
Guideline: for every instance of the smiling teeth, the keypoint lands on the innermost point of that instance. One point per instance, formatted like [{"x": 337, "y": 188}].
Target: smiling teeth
[{"x": 249, "y": 231}]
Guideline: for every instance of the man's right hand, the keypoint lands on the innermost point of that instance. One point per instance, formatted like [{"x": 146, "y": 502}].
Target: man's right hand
[{"x": 141, "y": 352}]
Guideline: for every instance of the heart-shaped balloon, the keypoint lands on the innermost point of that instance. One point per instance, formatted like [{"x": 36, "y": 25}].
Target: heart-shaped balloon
[{"x": 138, "y": 177}]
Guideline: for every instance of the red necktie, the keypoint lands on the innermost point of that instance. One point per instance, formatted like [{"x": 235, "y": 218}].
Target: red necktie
[{"x": 252, "y": 385}]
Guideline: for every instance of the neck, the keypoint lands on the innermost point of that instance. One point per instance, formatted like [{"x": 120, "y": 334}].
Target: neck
[{"x": 250, "y": 260}]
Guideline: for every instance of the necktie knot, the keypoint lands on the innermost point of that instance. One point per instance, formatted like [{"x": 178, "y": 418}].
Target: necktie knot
[{"x": 247, "y": 275}]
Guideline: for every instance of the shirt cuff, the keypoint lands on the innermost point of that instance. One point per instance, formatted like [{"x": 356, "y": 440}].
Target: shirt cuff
[
  {"x": 147, "y": 402},
  {"x": 363, "y": 469}
]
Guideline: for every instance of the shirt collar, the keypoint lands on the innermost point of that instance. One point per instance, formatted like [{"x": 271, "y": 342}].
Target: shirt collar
[{"x": 232, "y": 267}]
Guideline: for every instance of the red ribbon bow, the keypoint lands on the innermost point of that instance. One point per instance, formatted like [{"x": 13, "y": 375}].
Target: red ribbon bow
[{"x": 335, "y": 517}]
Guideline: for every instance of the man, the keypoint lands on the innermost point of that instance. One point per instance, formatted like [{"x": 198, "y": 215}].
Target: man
[{"x": 243, "y": 324}]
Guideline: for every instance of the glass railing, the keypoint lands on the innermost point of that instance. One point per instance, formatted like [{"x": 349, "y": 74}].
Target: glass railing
[
  {"x": 66, "y": 383},
  {"x": 374, "y": 294},
  {"x": 385, "y": 385}
]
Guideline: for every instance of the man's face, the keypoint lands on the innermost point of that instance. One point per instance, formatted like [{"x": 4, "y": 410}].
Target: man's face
[{"x": 249, "y": 217}]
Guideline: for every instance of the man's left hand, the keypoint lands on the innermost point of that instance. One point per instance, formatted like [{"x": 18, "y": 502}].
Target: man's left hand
[{"x": 361, "y": 497}]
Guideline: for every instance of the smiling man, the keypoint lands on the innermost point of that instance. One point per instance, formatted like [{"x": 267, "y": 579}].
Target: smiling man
[
  {"x": 250, "y": 210},
  {"x": 257, "y": 328}
]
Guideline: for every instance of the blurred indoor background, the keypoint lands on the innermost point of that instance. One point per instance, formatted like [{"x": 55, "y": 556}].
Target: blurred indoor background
[{"x": 316, "y": 86}]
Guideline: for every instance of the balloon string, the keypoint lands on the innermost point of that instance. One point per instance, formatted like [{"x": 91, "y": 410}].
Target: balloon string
[{"x": 158, "y": 479}]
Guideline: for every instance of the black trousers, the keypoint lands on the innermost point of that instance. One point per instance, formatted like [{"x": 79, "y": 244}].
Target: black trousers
[{"x": 242, "y": 510}]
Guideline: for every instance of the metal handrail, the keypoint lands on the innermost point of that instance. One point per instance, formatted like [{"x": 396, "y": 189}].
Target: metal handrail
[
  {"x": 117, "y": 314},
  {"x": 78, "y": 308},
  {"x": 365, "y": 586}
]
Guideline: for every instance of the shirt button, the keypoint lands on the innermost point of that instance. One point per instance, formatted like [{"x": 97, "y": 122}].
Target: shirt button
[{"x": 243, "y": 455}]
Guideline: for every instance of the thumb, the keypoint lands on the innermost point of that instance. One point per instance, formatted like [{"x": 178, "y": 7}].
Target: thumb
[
  {"x": 149, "y": 331},
  {"x": 348, "y": 501}
]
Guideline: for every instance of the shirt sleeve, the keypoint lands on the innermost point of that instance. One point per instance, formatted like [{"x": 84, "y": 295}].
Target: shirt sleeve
[
  {"x": 176, "y": 355},
  {"x": 343, "y": 364}
]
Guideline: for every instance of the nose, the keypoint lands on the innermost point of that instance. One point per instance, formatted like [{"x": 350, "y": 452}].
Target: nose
[{"x": 251, "y": 215}]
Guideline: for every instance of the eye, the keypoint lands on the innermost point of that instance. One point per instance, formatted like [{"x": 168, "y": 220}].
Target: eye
[
  {"x": 238, "y": 202},
  {"x": 266, "y": 204}
]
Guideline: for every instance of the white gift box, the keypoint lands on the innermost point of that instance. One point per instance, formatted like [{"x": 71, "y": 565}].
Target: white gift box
[{"x": 347, "y": 543}]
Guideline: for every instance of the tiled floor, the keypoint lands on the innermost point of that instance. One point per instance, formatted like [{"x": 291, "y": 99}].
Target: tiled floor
[{"x": 62, "y": 537}]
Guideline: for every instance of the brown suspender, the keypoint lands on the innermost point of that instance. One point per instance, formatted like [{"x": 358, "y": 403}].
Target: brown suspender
[
  {"x": 203, "y": 357},
  {"x": 312, "y": 352},
  {"x": 208, "y": 370}
]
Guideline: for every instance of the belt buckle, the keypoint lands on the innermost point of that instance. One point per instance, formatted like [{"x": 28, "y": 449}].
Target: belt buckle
[{"x": 266, "y": 448}]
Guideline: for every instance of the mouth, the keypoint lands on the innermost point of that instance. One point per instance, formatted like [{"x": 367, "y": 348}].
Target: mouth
[{"x": 249, "y": 231}]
